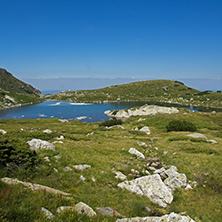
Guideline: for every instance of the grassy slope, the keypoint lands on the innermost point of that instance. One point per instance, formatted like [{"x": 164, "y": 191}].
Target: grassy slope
[
  {"x": 151, "y": 90},
  {"x": 199, "y": 160},
  {"x": 21, "y": 92}
]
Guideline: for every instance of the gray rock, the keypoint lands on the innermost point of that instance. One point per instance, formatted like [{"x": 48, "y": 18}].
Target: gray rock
[
  {"x": 120, "y": 175},
  {"x": 3, "y": 131},
  {"x": 136, "y": 152},
  {"x": 37, "y": 144},
  {"x": 47, "y": 213},
  {"x": 212, "y": 141},
  {"x": 33, "y": 186},
  {"x": 47, "y": 131},
  {"x": 64, "y": 208},
  {"x": 67, "y": 168},
  {"x": 84, "y": 208},
  {"x": 197, "y": 135},
  {"x": 108, "y": 211},
  {"x": 150, "y": 186},
  {"x": 172, "y": 217},
  {"x": 145, "y": 129},
  {"x": 142, "y": 111},
  {"x": 142, "y": 144},
  {"x": 174, "y": 179},
  {"x": 81, "y": 167}
]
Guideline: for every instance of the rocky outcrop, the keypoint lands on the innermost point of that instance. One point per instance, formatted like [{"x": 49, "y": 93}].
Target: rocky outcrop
[
  {"x": 142, "y": 111},
  {"x": 150, "y": 186},
  {"x": 34, "y": 186},
  {"x": 173, "y": 217},
  {"x": 37, "y": 144}
]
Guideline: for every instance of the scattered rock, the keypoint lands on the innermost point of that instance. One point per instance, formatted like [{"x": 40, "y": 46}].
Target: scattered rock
[
  {"x": 212, "y": 141},
  {"x": 57, "y": 142},
  {"x": 63, "y": 120},
  {"x": 174, "y": 179},
  {"x": 92, "y": 133},
  {"x": 136, "y": 152},
  {"x": 36, "y": 144},
  {"x": 3, "y": 131},
  {"x": 81, "y": 167},
  {"x": 108, "y": 211},
  {"x": 47, "y": 213},
  {"x": 145, "y": 129},
  {"x": 60, "y": 138},
  {"x": 120, "y": 175},
  {"x": 67, "y": 168},
  {"x": 64, "y": 208},
  {"x": 197, "y": 135},
  {"x": 172, "y": 217},
  {"x": 82, "y": 178},
  {"x": 84, "y": 208},
  {"x": 142, "y": 144},
  {"x": 152, "y": 187},
  {"x": 46, "y": 158},
  {"x": 57, "y": 156},
  {"x": 33, "y": 186},
  {"x": 47, "y": 131}
]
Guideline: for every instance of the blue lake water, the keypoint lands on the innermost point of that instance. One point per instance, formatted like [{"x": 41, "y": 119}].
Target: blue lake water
[{"x": 85, "y": 112}]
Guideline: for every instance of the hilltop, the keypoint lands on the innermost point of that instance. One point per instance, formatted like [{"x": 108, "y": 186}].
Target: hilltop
[
  {"x": 169, "y": 91},
  {"x": 14, "y": 92}
]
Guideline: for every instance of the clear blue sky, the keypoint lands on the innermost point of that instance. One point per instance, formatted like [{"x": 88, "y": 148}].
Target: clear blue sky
[{"x": 151, "y": 39}]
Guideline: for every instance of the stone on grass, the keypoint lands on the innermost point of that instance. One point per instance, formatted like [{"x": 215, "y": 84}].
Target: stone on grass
[
  {"x": 84, "y": 208},
  {"x": 33, "y": 186},
  {"x": 150, "y": 186},
  {"x": 108, "y": 211},
  {"x": 120, "y": 175},
  {"x": 174, "y": 179},
  {"x": 136, "y": 152},
  {"x": 3, "y": 131},
  {"x": 81, "y": 167},
  {"x": 47, "y": 213},
  {"x": 172, "y": 217},
  {"x": 37, "y": 144},
  {"x": 197, "y": 135},
  {"x": 145, "y": 129},
  {"x": 47, "y": 131},
  {"x": 64, "y": 208},
  {"x": 67, "y": 168}
]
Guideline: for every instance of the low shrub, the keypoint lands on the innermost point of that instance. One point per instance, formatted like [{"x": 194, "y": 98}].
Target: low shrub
[
  {"x": 15, "y": 154},
  {"x": 178, "y": 125},
  {"x": 111, "y": 122}
]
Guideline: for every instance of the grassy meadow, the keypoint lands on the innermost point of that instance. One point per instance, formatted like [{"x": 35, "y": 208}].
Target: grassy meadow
[{"x": 106, "y": 150}]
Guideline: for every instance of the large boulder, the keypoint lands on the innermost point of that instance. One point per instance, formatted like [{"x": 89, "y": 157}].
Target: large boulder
[
  {"x": 174, "y": 179},
  {"x": 172, "y": 217},
  {"x": 150, "y": 186},
  {"x": 37, "y": 144}
]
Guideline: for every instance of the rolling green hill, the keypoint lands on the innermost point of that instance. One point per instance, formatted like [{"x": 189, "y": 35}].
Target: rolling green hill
[
  {"x": 14, "y": 92},
  {"x": 151, "y": 90}
]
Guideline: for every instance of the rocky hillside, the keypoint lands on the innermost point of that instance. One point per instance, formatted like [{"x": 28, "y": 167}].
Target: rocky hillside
[
  {"x": 14, "y": 92},
  {"x": 151, "y": 90}
]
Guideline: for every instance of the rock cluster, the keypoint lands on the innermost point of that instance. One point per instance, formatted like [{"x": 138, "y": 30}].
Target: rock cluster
[{"x": 142, "y": 111}]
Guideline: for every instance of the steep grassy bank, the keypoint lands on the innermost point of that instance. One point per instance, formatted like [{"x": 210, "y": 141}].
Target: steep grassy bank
[
  {"x": 14, "y": 92},
  {"x": 151, "y": 90},
  {"x": 102, "y": 148}
]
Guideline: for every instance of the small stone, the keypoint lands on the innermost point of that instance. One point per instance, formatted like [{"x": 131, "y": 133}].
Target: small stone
[
  {"x": 136, "y": 152},
  {"x": 47, "y": 159},
  {"x": 3, "y": 131},
  {"x": 81, "y": 167},
  {"x": 84, "y": 208},
  {"x": 67, "y": 168},
  {"x": 82, "y": 178},
  {"x": 47, "y": 131},
  {"x": 47, "y": 213},
  {"x": 64, "y": 208}
]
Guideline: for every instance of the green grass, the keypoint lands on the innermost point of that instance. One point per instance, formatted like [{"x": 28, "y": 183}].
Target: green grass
[
  {"x": 199, "y": 160},
  {"x": 151, "y": 90}
]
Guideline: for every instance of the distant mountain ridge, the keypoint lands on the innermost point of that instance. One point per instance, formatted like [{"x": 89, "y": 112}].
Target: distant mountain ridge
[{"x": 14, "y": 92}]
